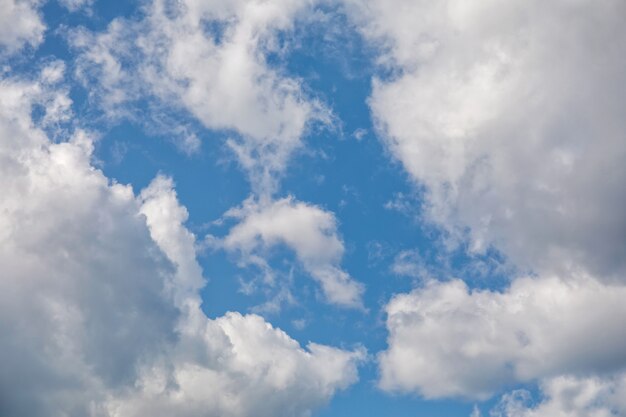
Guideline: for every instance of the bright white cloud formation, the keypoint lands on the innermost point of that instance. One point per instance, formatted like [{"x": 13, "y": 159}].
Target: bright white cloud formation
[
  {"x": 99, "y": 309},
  {"x": 81, "y": 280},
  {"x": 510, "y": 115},
  {"x": 20, "y": 24},
  {"x": 446, "y": 340},
  {"x": 211, "y": 59},
  {"x": 306, "y": 229}
]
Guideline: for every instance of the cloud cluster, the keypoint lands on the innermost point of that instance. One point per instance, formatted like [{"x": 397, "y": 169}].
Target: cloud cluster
[
  {"x": 213, "y": 61},
  {"x": 510, "y": 116},
  {"x": 99, "y": 305},
  {"x": 210, "y": 59}
]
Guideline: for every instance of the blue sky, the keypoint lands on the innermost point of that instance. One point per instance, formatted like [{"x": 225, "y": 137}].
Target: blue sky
[{"x": 426, "y": 199}]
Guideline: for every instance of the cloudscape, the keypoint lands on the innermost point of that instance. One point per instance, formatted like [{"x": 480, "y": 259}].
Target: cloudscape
[{"x": 298, "y": 208}]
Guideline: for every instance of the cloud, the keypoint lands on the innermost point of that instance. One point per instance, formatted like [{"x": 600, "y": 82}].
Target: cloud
[
  {"x": 252, "y": 368},
  {"x": 446, "y": 340},
  {"x": 165, "y": 218},
  {"x": 510, "y": 115},
  {"x": 81, "y": 281},
  {"x": 568, "y": 397},
  {"x": 76, "y": 5},
  {"x": 210, "y": 60},
  {"x": 99, "y": 305},
  {"x": 410, "y": 263},
  {"x": 306, "y": 229},
  {"x": 20, "y": 24},
  {"x": 239, "y": 366}
]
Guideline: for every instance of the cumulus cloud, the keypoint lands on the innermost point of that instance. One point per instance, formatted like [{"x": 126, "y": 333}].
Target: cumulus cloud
[
  {"x": 509, "y": 113},
  {"x": 306, "y": 229},
  {"x": 568, "y": 397},
  {"x": 447, "y": 340},
  {"x": 210, "y": 59},
  {"x": 238, "y": 366},
  {"x": 20, "y": 24},
  {"x": 81, "y": 281},
  {"x": 99, "y": 306}
]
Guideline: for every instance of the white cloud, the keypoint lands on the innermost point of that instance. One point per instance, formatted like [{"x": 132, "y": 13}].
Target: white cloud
[
  {"x": 445, "y": 340},
  {"x": 209, "y": 58},
  {"x": 239, "y": 366},
  {"x": 510, "y": 114},
  {"x": 99, "y": 308},
  {"x": 165, "y": 218},
  {"x": 20, "y": 24},
  {"x": 306, "y": 229},
  {"x": 568, "y": 397},
  {"x": 81, "y": 280}
]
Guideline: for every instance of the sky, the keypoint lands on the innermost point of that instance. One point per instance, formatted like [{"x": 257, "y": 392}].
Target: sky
[{"x": 303, "y": 208}]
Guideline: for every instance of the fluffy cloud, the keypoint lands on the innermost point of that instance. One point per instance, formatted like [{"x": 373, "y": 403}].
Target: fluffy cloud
[
  {"x": 569, "y": 397},
  {"x": 81, "y": 281},
  {"x": 445, "y": 340},
  {"x": 306, "y": 229},
  {"x": 99, "y": 308},
  {"x": 238, "y": 366},
  {"x": 165, "y": 218},
  {"x": 20, "y": 24},
  {"x": 210, "y": 59},
  {"x": 510, "y": 114}
]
